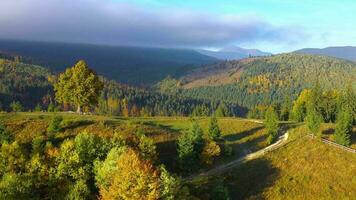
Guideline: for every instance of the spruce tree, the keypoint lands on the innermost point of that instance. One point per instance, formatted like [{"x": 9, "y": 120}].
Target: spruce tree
[
  {"x": 314, "y": 120},
  {"x": 271, "y": 123},
  {"x": 214, "y": 132},
  {"x": 343, "y": 128},
  {"x": 189, "y": 147}
]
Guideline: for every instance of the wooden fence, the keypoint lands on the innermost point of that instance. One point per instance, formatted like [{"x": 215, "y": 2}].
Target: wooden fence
[{"x": 335, "y": 144}]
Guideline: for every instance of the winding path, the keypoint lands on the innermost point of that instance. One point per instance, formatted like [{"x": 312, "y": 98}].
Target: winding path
[{"x": 225, "y": 167}]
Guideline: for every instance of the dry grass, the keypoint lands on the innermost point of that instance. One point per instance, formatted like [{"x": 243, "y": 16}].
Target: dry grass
[{"x": 303, "y": 169}]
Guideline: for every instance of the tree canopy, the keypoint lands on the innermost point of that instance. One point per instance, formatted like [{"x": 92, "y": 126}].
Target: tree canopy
[{"x": 79, "y": 86}]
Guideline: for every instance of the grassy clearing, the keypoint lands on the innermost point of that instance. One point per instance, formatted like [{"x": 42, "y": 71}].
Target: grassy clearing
[
  {"x": 303, "y": 169},
  {"x": 242, "y": 135}
]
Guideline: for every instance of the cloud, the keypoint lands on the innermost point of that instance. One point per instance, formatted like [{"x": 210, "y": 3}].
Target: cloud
[{"x": 109, "y": 22}]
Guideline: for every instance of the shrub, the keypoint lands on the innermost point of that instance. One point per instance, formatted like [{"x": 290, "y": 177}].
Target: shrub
[
  {"x": 210, "y": 151},
  {"x": 55, "y": 124},
  {"x": 38, "y": 108},
  {"x": 5, "y": 136},
  {"x": 16, "y": 106}
]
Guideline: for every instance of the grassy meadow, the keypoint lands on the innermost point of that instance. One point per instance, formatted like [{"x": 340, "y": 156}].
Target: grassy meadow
[
  {"x": 304, "y": 168},
  {"x": 241, "y": 135}
]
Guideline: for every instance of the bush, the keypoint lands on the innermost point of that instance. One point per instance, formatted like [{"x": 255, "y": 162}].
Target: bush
[
  {"x": 38, "y": 108},
  {"x": 210, "y": 151},
  {"x": 16, "y": 106},
  {"x": 5, "y": 136},
  {"x": 55, "y": 124}
]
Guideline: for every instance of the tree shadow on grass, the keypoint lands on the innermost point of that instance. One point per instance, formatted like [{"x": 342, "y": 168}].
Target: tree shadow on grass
[
  {"x": 246, "y": 181},
  {"x": 249, "y": 180},
  {"x": 328, "y": 131}
]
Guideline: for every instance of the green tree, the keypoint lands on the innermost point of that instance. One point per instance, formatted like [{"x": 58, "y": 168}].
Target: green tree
[
  {"x": 172, "y": 187},
  {"x": 189, "y": 147},
  {"x": 347, "y": 101},
  {"x": 314, "y": 120},
  {"x": 16, "y": 106},
  {"x": 214, "y": 132},
  {"x": 271, "y": 123},
  {"x": 343, "y": 128},
  {"x": 222, "y": 111},
  {"x": 286, "y": 108},
  {"x": 105, "y": 170},
  {"x": 78, "y": 85}
]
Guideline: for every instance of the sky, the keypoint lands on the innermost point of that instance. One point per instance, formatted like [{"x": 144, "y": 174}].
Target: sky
[{"x": 270, "y": 25}]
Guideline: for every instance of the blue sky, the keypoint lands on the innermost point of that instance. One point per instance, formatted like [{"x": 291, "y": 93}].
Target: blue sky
[{"x": 270, "y": 25}]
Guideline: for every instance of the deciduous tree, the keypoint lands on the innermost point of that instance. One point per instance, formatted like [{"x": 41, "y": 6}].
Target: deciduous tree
[{"x": 78, "y": 85}]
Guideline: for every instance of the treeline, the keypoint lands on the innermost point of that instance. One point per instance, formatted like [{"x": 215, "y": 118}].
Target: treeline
[
  {"x": 117, "y": 99},
  {"x": 26, "y": 87},
  {"x": 315, "y": 106},
  {"x": 269, "y": 80}
]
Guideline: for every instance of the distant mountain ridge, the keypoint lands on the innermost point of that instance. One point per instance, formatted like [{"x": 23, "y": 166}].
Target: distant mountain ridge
[
  {"x": 233, "y": 53},
  {"x": 140, "y": 66},
  {"x": 343, "y": 52}
]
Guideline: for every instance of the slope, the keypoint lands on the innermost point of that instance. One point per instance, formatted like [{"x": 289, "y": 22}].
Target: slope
[
  {"x": 305, "y": 168},
  {"x": 265, "y": 80},
  {"x": 133, "y": 65}
]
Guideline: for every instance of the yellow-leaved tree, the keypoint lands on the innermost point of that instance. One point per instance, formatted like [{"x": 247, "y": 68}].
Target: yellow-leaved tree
[{"x": 135, "y": 179}]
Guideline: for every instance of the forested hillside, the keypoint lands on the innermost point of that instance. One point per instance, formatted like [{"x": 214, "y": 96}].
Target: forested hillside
[
  {"x": 22, "y": 82},
  {"x": 26, "y": 86},
  {"x": 267, "y": 80},
  {"x": 132, "y": 65}
]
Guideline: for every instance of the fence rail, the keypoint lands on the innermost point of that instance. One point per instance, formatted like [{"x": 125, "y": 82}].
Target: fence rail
[{"x": 335, "y": 144}]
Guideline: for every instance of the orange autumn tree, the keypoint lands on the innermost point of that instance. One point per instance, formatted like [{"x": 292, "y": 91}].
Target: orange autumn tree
[{"x": 135, "y": 179}]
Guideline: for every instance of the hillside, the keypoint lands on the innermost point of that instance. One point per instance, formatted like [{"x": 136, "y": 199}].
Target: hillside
[
  {"x": 233, "y": 53},
  {"x": 347, "y": 52},
  {"x": 22, "y": 82},
  {"x": 132, "y": 65},
  {"x": 304, "y": 168},
  {"x": 269, "y": 79},
  {"x": 30, "y": 86},
  {"x": 39, "y": 163}
]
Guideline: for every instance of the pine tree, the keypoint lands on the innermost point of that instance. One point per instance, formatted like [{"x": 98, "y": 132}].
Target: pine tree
[
  {"x": 343, "y": 128},
  {"x": 214, "y": 132},
  {"x": 271, "y": 123},
  {"x": 190, "y": 145},
  {"x": 314, "y": 120}
]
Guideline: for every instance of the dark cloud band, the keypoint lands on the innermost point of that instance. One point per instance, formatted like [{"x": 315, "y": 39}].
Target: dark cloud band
[{"x": 103, "y": 21}]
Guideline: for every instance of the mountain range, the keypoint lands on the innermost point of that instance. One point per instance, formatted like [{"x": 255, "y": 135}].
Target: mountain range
[
  {"x": 233, "y": 53},
  {"x": 132, "y": 65},
  {"x": 346, "y": 52}
]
